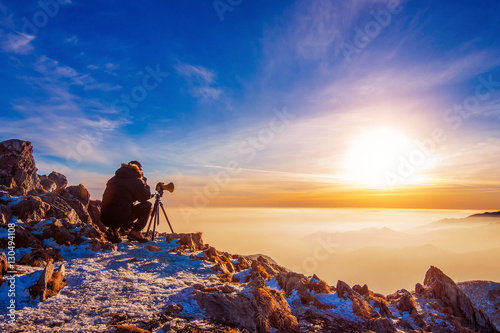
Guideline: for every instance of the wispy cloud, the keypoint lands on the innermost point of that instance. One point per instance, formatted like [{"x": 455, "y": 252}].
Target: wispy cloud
[
  {"x": 17, "y": 42},
  {"x": 202, "y": 81}
]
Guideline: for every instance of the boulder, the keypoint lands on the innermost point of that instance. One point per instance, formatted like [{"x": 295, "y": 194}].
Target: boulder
[
  {"x": 234, "y": 309},
  {"x": 78, "y": 192},
  {"x": 18, "y": 169},
  {"x": 60, "y": 209},
  {"x": 79, "y": 208},
  {"x": 444, "y": 289},
  {"x": 59, "y": 180},
  {"x": 31, "y": 209}
]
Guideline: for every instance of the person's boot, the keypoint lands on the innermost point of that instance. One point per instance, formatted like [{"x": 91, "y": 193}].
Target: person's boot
[
  {"x": 136, "y": 236},
  {"x": 113, "y": 235}
]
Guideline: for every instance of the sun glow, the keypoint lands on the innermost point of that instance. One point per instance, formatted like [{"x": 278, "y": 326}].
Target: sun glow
[{"x": 374, "y": 154}]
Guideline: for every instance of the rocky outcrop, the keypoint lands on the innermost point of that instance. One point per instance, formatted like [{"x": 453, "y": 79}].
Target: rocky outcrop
[
  {"x": 485, "y": 295},
  {"x": 18, "y": 169},
  {"x": 44, "y": 209},
  {"x": 444, "y": 290}
]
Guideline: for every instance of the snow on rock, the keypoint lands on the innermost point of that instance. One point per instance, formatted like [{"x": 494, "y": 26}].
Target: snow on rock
[{"x": 485, "y": 295}]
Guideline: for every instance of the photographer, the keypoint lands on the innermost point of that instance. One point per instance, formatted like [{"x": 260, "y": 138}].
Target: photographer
[{"x": 119, "y": 208}]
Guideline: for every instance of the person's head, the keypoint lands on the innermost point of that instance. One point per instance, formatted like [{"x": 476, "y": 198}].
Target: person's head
[
  {"x": 135, "y": 165},
  {"x": 139, "y": 165}
]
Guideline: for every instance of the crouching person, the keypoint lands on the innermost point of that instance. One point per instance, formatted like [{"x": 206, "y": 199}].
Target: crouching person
[{"x": 119, "y": 203}]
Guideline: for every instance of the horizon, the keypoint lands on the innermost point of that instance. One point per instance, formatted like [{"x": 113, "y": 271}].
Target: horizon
[{"x": 367, "y": 104}]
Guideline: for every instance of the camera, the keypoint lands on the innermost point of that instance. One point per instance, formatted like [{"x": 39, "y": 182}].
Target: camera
[{"x": 160, "y": 187}]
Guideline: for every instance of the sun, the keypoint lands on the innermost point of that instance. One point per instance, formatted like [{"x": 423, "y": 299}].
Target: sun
[{"x": 374, "y": 153}]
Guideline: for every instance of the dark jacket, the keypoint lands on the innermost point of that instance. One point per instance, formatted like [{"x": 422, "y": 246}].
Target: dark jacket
[{"x": 125, "y": 188}]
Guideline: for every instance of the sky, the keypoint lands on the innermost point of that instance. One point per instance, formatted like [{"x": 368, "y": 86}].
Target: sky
[{"x": 388, "y": 104}]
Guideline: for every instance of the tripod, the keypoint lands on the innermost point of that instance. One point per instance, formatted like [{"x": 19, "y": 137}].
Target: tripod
[{"x": 155, "y": 214}]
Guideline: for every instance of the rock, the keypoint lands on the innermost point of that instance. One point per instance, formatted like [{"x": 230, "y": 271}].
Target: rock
[
  {"x": 79, "y": 192},
  {"x": 448, "y": 293},
  {"x": 79, "y": 207},
  {"x": 59, "y": 180},
  {"x": 191, "y": 241},
  {"x": 46, "y": 275},
  {"x": 4, "y": 265},
  {"x": 60, "y": 209},
  {"x": 49, "y": 283},
  {"x": 234, "y": 309},
  {"x": 343, "y": 289},
  {"x": 360, "y": 290},
  {"x": 291, "y": 281},
  {"x": 41, "y": 257},
  {"x": 404, "y": 301},
  {"x": 381, "y": 325},
  {"x": 5, "y": 213},
  {"x": 91, "y": 231},
  {"x": 419, "y": 289},
  {"x": 97, "y": 245},
  {"x": 24, "y": 239},
  {"x": 153, "y": 248},
  {"x": 273, "y": 310},
  {"x": 173, "y": 309},
  {"x": 18, "y": 169},
  {"x": 407, "y": 304},
  {"x": 94, "y": 211},
  {"x": 57, "y": 230},
  {"x": 485, "y": 295},
  {"x": 317, "y": 285},
  {"x": 47, "y": 184},
  {"x": 30, "y": 209}
]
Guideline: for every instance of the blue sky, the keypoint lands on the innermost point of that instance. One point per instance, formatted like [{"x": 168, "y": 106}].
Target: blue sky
[{"x": 279, "y": 91}]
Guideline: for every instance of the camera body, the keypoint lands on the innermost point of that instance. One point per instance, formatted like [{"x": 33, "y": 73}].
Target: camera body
[{"x": 160, "y": 187}]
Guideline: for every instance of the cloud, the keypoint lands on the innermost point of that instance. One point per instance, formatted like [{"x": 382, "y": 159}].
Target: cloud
[
  {"x": 18, "y": 43},
  {"x": 202, "y": 81},
  {"x": 72, "y": 40}
]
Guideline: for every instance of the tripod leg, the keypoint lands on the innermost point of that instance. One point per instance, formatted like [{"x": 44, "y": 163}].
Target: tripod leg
[
  {"x": 156, "y": 221},
  {"x": 166, "y": 217},
  {"x": 152, "y": 216}
]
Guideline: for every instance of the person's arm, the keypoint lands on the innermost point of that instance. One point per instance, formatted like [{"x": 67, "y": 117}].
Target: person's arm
[{"x": 143, "y": 192}]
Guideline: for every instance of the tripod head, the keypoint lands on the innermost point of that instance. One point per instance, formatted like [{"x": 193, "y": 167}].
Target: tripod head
[{"x": 160, "y": 187}]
